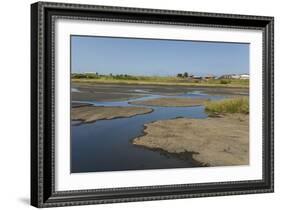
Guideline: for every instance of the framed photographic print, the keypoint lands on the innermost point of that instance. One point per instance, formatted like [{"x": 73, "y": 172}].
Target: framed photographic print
[{"x": 132, "y": 104}]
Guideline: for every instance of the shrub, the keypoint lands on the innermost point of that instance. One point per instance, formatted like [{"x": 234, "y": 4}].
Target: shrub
[{"x": 223, "y": 81}]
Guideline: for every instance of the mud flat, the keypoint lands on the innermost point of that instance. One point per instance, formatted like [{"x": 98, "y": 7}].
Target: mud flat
[
  {"x": 93, "y": 113},
  {"x": 171, "y": 102},
  {"x": 77, "y": 104},
  {"x": 220, "y": 141},
  {"x": 119, "y": 92}
]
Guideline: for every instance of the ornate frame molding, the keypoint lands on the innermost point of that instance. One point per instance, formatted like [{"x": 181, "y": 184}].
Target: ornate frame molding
[{"x": 43, "y": 17}]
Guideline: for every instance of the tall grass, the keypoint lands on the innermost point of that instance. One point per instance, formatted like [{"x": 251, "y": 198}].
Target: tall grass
[{"x": 235, "y": 105}]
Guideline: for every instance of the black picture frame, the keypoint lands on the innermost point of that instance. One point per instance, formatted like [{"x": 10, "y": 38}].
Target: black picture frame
[{"x": 43, "y": 193}]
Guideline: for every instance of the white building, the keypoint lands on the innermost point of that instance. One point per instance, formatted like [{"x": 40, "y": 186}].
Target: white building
[
  {"x": 235, "y": 76},
  {"x": 244, "y": 76}
]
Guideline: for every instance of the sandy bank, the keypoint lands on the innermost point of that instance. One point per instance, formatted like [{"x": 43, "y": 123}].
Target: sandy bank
[
  {"x": 94, "y": 113},
  {"x": 220, "y": 141},
  {"x": 171, "y": 102}
]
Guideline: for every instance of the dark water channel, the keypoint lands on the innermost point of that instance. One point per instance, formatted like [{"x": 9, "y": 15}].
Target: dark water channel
[{"x": 106, "y": 145}]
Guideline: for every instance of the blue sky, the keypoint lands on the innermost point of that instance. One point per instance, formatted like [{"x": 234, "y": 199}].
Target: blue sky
[{"x": 154, "y": 57}]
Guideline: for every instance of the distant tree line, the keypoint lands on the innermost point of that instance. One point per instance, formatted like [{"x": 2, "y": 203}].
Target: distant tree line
[
  {"x": 99, "y": 76},
  {"x": 85, "y": 75},
  {"x": 183, "y": 75},
  {"x": 124, "y": 76}
]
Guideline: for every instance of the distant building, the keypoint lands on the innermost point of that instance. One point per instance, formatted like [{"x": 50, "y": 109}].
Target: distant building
[
  {"x": 208, "y": 77},
  {"x": 244, "y": 76},
  {"x": 90, "y": 73},
  {"x": 227, "y": 76},
  {"x": 235, "y": 76},
  {"x": 196, "y": 78}
]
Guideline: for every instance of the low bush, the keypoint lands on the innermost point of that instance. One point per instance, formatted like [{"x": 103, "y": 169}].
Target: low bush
[{"x": 223, "y": 81}]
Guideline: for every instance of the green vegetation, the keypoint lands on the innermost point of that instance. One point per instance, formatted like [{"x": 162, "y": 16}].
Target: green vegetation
[
  {"x": 85, "y": 76},
  {"x": 223, "y": 81},
  {"x": 158, "y": 80},
  {"x": 234, "y": 105},
  {"x": 241, "y": 82}
]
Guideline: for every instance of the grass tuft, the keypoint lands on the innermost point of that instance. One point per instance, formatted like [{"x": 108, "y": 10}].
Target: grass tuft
[{"x": 234, "y": 105}]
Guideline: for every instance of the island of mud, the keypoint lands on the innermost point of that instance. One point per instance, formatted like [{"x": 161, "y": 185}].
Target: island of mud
[
  {"x": 214, "y": 141},
  {"x": 91, "y": 113}
]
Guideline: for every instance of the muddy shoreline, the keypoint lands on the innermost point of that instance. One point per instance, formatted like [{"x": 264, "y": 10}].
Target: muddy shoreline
[
  {"x": 200, "y": 137},
  {"x": 185, "y": 155},
  {"x": 90, "y": 114}
]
